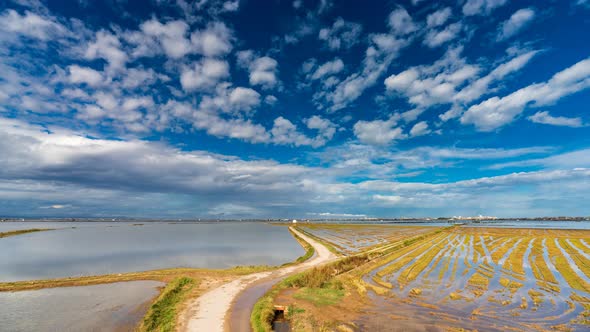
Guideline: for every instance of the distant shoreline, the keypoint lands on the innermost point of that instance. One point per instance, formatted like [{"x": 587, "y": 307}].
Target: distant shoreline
[{"x": 376, "y": 220}]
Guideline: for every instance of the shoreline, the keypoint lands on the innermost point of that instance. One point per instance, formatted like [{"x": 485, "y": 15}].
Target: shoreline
[{"x": 212, "y": 310}]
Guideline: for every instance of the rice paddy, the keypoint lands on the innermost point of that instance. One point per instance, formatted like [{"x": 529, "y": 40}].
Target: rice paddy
[
  {"x": 353, "y": 239},
  {"x": 476, "y": 278}
]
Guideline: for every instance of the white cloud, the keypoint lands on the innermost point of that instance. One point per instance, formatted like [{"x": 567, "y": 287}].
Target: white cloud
[
  {"x": 215, "y": 40},
  {"x": 545, "y": 118},
  {"x": 439, "y": 17},
  {"x": 389, "y": 199},
  {"x": 378, "y": 132},
  {"x": 171, "y": 36},
  {"x": 139, "y": 166},
  {"x": 326, "y": 129},
  {"x": 271, "y": 100},
  {"x": 482, "y": 85},
  {"x": 108, "y": 47},
  {"x": 383, "y": 49},
  {"x": 139, "y": 77},
  {"x": 481, "y": 7},
  {"x": 520, "y": 19},
  {"x": 341, "y": 35},
  {"x": 327, "y": 69},
  {"x": 285, "y": 132},
  {"x": 496, "y": 112},
  {"x": 425, "y": 86},
  {"x": 133, "y": 103},
  {"x": 244, "y": 98},
  {"x": 231, "y": 6},
  {"x": 435, "y": 38},
  {"x": 230, "y": 100},
  {"x": 420, "y": 129},
  {"x": 400, "y": 22},
  {"x": 204, "y": 75},
  {"x": 569, "y": 160},
  {"x": 80, "y": 75},
  {"x": 30, "y": 25},
  {"x": 263, "y": 70}
]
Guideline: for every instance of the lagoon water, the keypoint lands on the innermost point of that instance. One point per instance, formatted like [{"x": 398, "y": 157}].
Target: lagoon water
[
  {"x": 103, "y": 248},
  {"x": 111, "y": 307},
  {"x": 544, "y": 224}
]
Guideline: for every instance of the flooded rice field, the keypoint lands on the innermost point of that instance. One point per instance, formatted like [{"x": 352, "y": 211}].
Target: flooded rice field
[
  {"x": 89, "y": 248},
  {"x": 352, "y": 239},
  {"x": 110, "y": 307},
  {"x": 487, "y": 279}
]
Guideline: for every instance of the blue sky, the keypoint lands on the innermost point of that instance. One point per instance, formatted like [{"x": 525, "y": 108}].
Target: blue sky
[{"x": 307, "y": 109}]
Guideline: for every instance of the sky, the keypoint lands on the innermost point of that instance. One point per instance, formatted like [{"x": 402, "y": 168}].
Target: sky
[{"x": 294, "y": 109}]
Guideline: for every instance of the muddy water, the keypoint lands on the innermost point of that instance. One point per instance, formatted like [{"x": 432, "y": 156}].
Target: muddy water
[
  {"x": 239, "y": 316},
  {"x": 447, "y": 295},
  {"x": 109, "y": 307}
]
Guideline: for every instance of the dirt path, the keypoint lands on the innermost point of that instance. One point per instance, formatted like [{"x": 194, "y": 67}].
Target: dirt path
[{"x": 214, "y": 310}]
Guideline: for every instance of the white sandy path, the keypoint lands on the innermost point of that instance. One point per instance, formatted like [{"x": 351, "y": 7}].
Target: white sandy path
[{"x": 211, "y": 308}]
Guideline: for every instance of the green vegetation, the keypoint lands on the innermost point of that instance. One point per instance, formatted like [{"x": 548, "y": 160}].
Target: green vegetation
[
  {"x": 309, "y": 250},
  {"x": 322, "y": 277},
  {"x": 23, "y": 231},
  {"x": 320, "y": 296},
  {"x": 162, "y": 314}
]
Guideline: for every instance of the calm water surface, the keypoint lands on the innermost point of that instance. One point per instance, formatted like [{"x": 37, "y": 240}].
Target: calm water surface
[
  {"x": 534, "y": 224},
  {"x": 91, "y": 248},
  {"x": 112, "y": 307}
]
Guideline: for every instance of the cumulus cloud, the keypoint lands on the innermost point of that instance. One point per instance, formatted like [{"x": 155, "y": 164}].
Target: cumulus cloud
[
  {"x": 341, "y": 35},
  {"x": 172, "y": 36},
  {"x": 85, "y": 75},
  {"x": 108, "y": 47},
  {"x": 520, "y": 19},
  {"x": 215, "y": 40},
  {"x": 378, "y": 132},
  {"x": 263, "y": 70},
  {"x": 244, "y": 98},
  {"x": 285, "y": 132},
  {"x": 400, "y": 22},
  {"x": 496, "y": 112},
  {"x": 545, "y": 118},
  {"x": 204, "y": 75}
]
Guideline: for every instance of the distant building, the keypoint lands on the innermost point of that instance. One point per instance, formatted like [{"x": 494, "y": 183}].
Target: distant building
[{"x": 294, "y": 221}]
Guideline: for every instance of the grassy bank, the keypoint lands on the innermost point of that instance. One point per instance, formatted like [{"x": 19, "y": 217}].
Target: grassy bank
[
  {"x": 23, "y": 231},
  {"x": 164, "y": 275},
  {"x": 321, "y": 281},
  {"x": 321, "y": 241},
  {"x": 309, "y": 250},
  {"x": 162, "y": 314}
]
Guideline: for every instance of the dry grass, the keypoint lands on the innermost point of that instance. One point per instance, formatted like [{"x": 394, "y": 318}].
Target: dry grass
[
  {"x": 23, "y": 231},
  {"x": 164, "y": 275}
]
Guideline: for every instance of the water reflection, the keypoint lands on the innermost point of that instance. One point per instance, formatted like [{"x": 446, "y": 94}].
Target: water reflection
[
  {"x": 111, "y": 307},
  {"x": 102, "y": 249}
]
